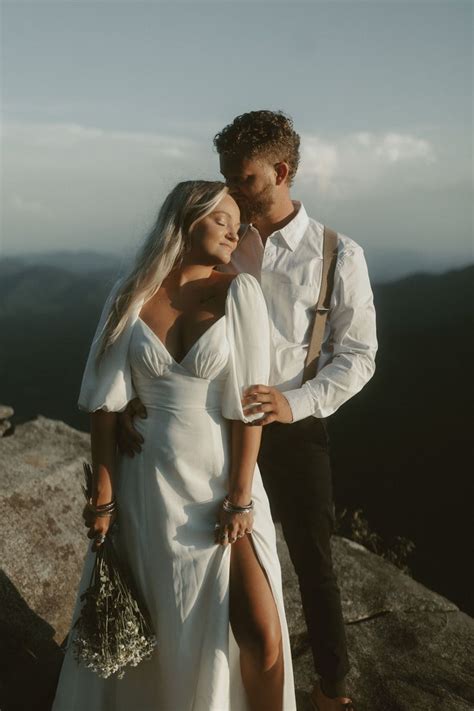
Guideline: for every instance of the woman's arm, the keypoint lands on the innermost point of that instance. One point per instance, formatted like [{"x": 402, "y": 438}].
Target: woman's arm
[
  {"x": 103, "y": 452},
  {"x": 248, "y": 334},
  {"x": 245, "y": 444}
]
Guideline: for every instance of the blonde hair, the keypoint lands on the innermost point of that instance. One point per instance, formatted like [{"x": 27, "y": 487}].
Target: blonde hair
[{"x": 163, "y": 250}]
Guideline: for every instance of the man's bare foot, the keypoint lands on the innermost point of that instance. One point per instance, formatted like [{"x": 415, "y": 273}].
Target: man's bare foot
[{"x": 321, "y": 702}]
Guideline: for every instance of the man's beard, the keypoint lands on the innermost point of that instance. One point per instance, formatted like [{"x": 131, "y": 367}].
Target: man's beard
[{"x": 256, "y": 206}]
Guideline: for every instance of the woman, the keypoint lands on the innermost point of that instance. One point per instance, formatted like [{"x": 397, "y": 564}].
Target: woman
[{"x": 187, "y": 339}]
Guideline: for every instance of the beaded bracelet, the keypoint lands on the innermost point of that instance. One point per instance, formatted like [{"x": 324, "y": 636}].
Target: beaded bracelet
[
  {"x": 228, "y": 506},
  {"x": 102, "y": 509},
  {"x": 103, "y": 514}
]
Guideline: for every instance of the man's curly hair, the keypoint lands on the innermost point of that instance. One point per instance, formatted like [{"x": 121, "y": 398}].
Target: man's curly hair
[{"x": 264, "y": 133}]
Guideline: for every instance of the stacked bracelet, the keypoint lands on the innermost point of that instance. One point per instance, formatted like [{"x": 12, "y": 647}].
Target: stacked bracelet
[
  {"x": 102, "y": 509},
  {"x": 232, "y": 508}
]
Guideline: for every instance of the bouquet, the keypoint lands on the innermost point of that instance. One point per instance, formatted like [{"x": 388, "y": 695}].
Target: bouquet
[{"x": 113, "y": 630}]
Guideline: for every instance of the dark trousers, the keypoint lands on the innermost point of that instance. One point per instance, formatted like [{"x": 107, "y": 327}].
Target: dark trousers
[{"x": 296, "y": 471}]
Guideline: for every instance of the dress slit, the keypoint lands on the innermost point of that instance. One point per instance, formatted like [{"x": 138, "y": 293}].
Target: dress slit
[{"x": 237, "y": 687}]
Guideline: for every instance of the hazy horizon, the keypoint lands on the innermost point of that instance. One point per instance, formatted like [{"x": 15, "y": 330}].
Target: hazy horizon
[
  {"x": 402, "y": 264},
  {"x": 106, "y": 106}
]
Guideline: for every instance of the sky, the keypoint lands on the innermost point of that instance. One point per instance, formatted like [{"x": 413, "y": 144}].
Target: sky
[{"x": 106, "y": 105}]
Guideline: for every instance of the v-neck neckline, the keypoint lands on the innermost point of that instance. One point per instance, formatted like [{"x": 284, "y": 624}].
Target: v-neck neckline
[{"x": 158, "y": 339}]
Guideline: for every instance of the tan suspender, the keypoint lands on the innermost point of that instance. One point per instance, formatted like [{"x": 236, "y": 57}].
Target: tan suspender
[{"x": 322, "y": 307}]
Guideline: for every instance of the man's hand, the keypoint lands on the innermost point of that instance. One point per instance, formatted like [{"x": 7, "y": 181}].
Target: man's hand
[
  {"x": 274, "y": 404},
  {"x": 129, "y": 440}
]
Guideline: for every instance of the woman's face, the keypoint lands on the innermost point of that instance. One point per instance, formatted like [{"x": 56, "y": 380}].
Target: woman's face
[{"x": 214, "y": 237}]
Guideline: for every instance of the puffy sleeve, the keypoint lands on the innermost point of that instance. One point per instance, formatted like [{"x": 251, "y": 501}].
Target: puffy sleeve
[
  {"x": 107, "y": 386},
  {"x": 248, "y": 334}
]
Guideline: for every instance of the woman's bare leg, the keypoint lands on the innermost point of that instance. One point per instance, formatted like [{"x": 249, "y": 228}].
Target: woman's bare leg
[{"x": 256, "y": 626}]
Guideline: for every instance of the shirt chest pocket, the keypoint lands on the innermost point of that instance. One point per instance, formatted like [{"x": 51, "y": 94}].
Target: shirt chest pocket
[{"x": 291, "y": 306}]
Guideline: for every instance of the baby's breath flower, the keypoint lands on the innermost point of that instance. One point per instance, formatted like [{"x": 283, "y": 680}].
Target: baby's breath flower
[{"x": 113, "y": 630}]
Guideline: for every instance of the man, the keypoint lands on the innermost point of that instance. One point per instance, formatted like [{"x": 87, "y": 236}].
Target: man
[{"x": 282, "y": 247}]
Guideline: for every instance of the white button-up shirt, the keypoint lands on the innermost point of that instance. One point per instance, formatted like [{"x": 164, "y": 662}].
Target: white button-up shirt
[{"x": 289, "y": 269}]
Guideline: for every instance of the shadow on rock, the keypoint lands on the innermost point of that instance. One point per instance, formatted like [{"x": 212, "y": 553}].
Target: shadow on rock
[{"x": 30, "y": 659}]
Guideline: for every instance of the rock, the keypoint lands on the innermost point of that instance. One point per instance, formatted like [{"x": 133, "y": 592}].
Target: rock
[
  {"x": 6, "y": 427},
  {"x": 28, "y": 653},
  {"x": 409, "y": 647},
  {"x": 42, "y": 544},
  {"x": 5, "y": 412},
  {"x": 42, "y": 536}
]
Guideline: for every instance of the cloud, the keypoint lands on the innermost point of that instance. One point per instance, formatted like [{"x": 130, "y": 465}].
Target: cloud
[
  {"x": 66, "y": 185},
  {"x": 70, "y": 186},
  {"x": 69, "y": 135},
  {"x": 34, "y": 208},
  {"x": 364, "y": 161},
  {"x": 395, "y": 147}
]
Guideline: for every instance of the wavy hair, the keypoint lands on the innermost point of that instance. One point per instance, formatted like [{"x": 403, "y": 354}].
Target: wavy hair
[
  {"x": 262, "y": 133},
  {"x": 162, "y": 250}
]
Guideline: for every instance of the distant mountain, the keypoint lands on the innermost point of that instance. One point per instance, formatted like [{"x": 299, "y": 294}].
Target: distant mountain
[
  {"x": 47, "y": 319},
  {"x": 43, "y": 289},
  {"x": 385, "y": 263},
  {"x": 80, "y": 261},
  {"x": 390, "y": 264},
  {"x": 401, "y": 448}
]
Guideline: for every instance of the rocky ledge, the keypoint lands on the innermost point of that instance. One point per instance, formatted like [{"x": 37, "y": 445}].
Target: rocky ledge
[
  {"x": 409, "y": 647},
  {"x": 6, "y": 427}
]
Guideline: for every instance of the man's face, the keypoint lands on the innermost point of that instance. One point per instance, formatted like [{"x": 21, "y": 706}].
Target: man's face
[{"x": 251, "y": 183}]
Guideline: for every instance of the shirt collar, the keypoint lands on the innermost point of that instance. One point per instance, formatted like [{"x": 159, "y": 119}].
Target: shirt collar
[{"x": 293, "y": 231}]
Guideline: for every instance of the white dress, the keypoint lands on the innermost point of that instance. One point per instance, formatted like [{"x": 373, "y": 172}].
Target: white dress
[{"x": 168, "y": 499}]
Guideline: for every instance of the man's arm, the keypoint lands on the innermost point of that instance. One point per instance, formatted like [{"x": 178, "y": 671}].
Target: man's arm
[{"x": 352, "y": 337}]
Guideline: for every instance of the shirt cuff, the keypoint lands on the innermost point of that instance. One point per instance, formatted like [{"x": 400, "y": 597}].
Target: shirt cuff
[{"x": 300, "y": 403}]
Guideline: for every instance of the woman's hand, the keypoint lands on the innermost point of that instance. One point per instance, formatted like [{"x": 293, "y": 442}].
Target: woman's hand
[
  {"x": 234, "y": 525},
  {"x": 97, "y": 525}
]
